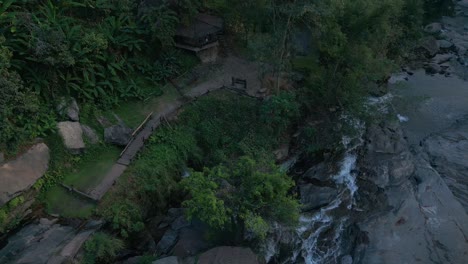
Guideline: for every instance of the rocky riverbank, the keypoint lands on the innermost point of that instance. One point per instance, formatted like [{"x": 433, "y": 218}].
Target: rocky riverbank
[{"x": 412, "y": 171}]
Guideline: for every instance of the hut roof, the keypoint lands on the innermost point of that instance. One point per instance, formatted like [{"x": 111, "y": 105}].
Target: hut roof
[{"x": 202, "y": 25}]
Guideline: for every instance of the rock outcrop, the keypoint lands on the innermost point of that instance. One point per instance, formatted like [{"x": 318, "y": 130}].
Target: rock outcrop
[
  {"x": 418, "y": 219},
  {"x": 20, "y": 174},
  {"x": 313, "y": 197},
  {"x": 433, "y": 28},
  {"x": 72, "y": 135},
  {"x": 181, "y": 238},
  {"x": 448, "y": 155},
  {"x": 118, "y": 134},
  {"x": 430, "y": 46},
  {"x": 45, "y": 242},
  {"x": 386, "y": 160}
]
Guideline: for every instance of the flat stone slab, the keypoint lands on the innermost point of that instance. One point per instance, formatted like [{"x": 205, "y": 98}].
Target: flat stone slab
[
  {"x": 20, "y": 174},
  {"x": 72, "y": 135}
]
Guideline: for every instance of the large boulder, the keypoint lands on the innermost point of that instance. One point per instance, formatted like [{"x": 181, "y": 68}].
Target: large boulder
[
  {"x": 69, "y": 108},
  {"x": 167, "y": 242},
  {"x": 20, "y": 174},
  {"x": 45, "y": 242},
  {"x": 118, "y": 134},
  {"x": 228, "y": 255},
  {"x": 433, "y": 68},
  {"x": 191, "y": 242},
  {"x": 430, "y": 46},
  {"x": 320, "y": 172},
  {"x": 445, "y": 44},
  {"x": 433, "y": 28},
  {"x": 313, "y": 197},
  {"x": 441, "y": 58},
  {"x": 72, "y": 135}
]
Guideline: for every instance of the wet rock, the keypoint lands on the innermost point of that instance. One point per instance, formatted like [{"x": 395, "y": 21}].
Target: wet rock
[
  {"x": 347, "y": 259},
  {"x": 430, "y": 46},
  {"x": 427, "y": 224},
  {"x": 173, "y": 213},
  {"x": 320, "y": 172},
  {"x": 441, "y": 58},
  {"x": 72, "y": 136},
  {"x": 191, "y": 242},
  {"x": 144, "y": 242},
  {"x": 36, "y": 243},
  {"x": 461, "y": 48},
  {"x": 433, "y": 68},
  {"x": 20, "y": 174},
  {"x": 397, "y": 78},
  {"x": 313, "y": 197},
  {"x": 445, "y": 44},
  {"x": 401, "y": 167},
  {"x": 69, "y": 108},
  {"x": 433, "y": 28},
  {"x": 180, "y": 223},
  {"x": 90, "y": 134},
  {"x": 463, "y": 3},
  {"x": 232, "y": 255},
  {"x": 386, "y": 160},
  {"x": 167, "y": 242},
  {"x": 448, "y": 154},
  {"x": 118, "y": 134},
  {"x": 386, "y": 138},
  {"x": 44, "y": 242},
  {"x": 377, "y": 90},
  {"x": 168, "y": 260}
]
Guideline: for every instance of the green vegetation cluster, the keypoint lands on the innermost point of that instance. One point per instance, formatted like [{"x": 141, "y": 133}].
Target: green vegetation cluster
[
  {"x": 101, "y": 248},
  {"x": 102, "y": 52},
  {"x": 339, "y": 47},
  {"x": 105, "y": 52},
  {"x": 233, "y": 185},
  {"x": 218, "y": 133}
]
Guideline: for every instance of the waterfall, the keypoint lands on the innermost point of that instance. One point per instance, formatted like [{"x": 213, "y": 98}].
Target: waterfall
[{"x": 318, "y": 238}]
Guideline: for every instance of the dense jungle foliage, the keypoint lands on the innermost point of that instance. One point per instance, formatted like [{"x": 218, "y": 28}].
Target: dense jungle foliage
[{"x": 101, "y": 52}]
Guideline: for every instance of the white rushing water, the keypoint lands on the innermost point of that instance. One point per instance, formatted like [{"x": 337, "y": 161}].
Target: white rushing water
[
  {"x": 317, "y": 239},
  {"x": 313, "y": 227}
]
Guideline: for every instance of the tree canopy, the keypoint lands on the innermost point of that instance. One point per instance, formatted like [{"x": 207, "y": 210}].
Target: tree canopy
[{"x": 248, "y": 194}]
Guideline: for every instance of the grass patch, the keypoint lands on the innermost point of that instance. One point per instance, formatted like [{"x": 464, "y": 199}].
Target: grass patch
[
  {"x": 92, "y": 170},
  {"x": 60, "y": 201},
  {"x": 82, "y": 172},
  {"x": 134, "y": 112}
]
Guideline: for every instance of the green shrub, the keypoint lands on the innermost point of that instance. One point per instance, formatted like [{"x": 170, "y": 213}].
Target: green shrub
[
  {"x": 248, "y": 193},
  {"x": 101, "y": 248}
]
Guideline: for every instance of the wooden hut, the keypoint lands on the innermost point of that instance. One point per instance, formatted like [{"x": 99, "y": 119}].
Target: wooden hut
[{"x": 201, "y": 34}]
